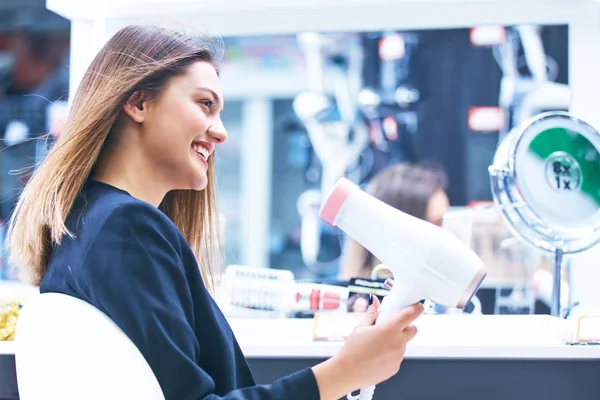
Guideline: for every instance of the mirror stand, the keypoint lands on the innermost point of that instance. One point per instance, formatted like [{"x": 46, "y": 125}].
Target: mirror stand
[{"x": 555, "y": 308}]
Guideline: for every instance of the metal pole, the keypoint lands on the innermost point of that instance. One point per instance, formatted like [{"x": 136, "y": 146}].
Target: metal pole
[{"x": 556, "y": 281}]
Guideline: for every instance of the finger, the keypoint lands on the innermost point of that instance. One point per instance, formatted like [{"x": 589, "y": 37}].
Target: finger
[
  {"x": 410, "y": 332},
  {"x": 376, "y": 303},
  {"x": 407, "y": 316},
  {"x": 370, "y": 316}
]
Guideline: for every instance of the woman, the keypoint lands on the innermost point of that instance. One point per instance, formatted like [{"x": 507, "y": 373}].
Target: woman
[
  {"x": 415, "y": 189},
  {"x": 358, "y": 303},
  {"x": 121, "y": 214}
]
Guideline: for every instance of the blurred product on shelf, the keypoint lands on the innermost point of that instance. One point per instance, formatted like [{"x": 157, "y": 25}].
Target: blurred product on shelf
[
  {"x": 13, "y": 295},
  {"x": 508, "y": 261},
  {"x": 520, "y": 273},
  {"x": 9, "y": 312},
  {"x": 264, "y": 292}
]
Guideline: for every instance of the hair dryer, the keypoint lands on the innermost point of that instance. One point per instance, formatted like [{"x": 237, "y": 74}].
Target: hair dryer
[{"x": 428, "y": 262}]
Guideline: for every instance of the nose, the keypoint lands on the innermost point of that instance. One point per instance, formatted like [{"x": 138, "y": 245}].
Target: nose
[{"x": 218, "y": 133}]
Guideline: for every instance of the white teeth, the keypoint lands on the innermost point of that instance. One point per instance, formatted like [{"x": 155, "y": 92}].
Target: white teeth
[{"x": 200, "y": 150}]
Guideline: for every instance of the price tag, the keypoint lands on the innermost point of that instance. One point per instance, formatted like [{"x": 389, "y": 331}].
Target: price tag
[{"x": 588, "y": 328}]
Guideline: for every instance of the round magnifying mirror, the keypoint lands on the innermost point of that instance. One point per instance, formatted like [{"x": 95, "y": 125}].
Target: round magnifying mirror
[{"x": 545, "y": 178}]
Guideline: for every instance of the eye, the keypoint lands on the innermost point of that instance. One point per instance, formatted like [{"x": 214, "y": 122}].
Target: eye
[{"x": 207, "y": 103}]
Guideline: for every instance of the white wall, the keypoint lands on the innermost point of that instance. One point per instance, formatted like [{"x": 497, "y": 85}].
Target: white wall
[{"x": 584, "y": 79}]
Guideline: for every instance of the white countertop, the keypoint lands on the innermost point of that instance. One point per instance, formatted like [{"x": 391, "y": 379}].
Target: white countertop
[
  {"x": 452, "y": 336},
  {"x": 16, "y": 290},
  {"x": 7, "y": 348},
  {"x": 440, "y": 336}
]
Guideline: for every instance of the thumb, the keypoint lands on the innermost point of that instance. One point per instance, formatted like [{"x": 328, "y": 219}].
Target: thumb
[{"x": 370, "y": 316}]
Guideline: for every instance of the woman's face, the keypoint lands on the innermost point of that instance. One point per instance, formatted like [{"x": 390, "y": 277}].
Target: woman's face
[
  {"x": 183, "y": 126},
  {"x": 436, "y": 208},
  {"x": 360, "y": 305}
]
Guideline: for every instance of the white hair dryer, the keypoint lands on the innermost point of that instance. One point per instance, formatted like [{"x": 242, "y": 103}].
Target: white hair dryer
[{"x": 427, "y": 261}]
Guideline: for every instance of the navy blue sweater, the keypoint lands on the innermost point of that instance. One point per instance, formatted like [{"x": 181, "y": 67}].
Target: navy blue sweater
[{"x": 130, "y": 261}]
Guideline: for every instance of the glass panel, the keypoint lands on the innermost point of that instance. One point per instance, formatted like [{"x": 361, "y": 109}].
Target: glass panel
[
  {"x": 228, "y": 182},
  {"x": 34, "y": 84}
]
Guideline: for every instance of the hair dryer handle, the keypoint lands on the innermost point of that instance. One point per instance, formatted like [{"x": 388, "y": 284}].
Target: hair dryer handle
[{"x": 399, "y": 297}]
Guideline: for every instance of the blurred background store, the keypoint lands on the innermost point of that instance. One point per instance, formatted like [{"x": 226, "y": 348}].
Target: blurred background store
[{"x": 440, "y": 96}]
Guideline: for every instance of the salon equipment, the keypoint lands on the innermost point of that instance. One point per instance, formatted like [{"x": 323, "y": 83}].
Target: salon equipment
[
  {"x": 256, "y": 292},
  {"x": 390, "y": 95},
  {"x": 271, "y": 293},
  {"x": 545, "y": 178},
  {"x": 328, "y": 111},
  {"x": 460, "y": 224},
  {"x": 427, "y": 262},
  {"x": 522, "y": 96},
  {"x": 69, "y": 350}
]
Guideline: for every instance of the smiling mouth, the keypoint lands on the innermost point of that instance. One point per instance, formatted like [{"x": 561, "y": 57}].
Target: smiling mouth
[{"x": 201, "y": 150}]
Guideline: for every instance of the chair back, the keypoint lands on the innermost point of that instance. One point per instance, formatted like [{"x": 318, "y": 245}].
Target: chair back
[{"x": 66, "y": 349}]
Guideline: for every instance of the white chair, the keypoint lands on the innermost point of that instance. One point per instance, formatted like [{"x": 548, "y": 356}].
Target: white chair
[{"x": 67, "y": 349}]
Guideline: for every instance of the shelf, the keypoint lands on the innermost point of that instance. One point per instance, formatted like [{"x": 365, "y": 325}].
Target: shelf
[
  {"x": 7, "y": 348},
  {"x": 241, "y": 17}
]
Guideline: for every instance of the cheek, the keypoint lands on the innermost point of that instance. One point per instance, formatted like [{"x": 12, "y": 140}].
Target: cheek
[
  {"x": 172, "y": 130},
  {"x": 194, "y": 119},
  {"x": 183, "y": 120}
]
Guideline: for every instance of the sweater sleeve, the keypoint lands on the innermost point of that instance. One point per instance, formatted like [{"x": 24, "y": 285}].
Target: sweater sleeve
[{"x": 134, "y": 273}]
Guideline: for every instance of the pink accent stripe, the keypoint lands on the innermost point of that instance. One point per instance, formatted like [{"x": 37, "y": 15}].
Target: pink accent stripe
[
  {"x": 336, "y": 200},
  {"x": 472, "y": 288}
]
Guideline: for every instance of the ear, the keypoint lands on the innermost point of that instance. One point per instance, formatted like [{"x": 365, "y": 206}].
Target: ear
[{"x": 136, "y": 106}]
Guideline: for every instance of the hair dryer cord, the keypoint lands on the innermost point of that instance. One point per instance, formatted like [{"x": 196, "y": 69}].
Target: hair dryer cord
[{"x": 366, "y": 393}]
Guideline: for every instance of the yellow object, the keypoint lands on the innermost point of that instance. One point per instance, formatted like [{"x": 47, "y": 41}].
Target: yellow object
[
  {"x": 588, "y": 328},
  {"x": 9, "y": 312}
]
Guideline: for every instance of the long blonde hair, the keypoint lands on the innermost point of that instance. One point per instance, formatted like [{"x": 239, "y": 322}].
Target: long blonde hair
[{"x": 136, "y": 58}]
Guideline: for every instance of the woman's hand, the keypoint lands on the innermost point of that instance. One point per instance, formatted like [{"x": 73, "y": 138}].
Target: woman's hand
[{"x": 370, "y": 355}]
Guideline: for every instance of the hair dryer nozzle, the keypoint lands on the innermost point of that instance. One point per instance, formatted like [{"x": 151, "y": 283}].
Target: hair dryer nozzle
[{"x": 336, "y": 199}]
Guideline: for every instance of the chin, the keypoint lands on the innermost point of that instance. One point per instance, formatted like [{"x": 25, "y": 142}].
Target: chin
[
  {"x": 198, "y": 182},
  {"x": 193, "y": 176},
  {"x": 199, "y": 185},
  {"x": 199, "y": 188}
]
